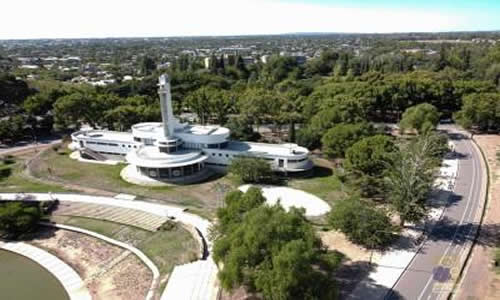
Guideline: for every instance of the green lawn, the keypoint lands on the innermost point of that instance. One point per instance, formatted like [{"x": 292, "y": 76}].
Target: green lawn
[
  {"x": 323, "y": 183},
  {"x": 57, "y": 165},
  {"x": 12, "y": 179},
  {"x": 165, "y": 248}
]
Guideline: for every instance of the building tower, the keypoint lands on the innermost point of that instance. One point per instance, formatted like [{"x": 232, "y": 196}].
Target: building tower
[{"x": 167, "y": 114}]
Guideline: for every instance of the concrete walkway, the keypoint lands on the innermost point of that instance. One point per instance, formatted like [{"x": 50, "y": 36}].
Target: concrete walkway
[
  {"x": 137, "y": 252},
  {"x": 69, "y": 279},
  {"x": 288, "y": 197},
  {"x": 390, "y": 265}
]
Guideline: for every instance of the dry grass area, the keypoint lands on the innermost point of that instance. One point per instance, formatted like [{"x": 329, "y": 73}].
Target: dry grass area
[
  {"x": 56, "y": 166},
  {"x": 108, "y": 271},
  {"x": 482, "y": 281}
]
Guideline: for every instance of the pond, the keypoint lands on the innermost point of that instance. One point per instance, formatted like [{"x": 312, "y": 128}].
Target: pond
[{"x": 23, "y": 279}]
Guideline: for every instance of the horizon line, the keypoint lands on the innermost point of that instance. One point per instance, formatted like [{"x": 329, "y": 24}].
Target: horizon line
[{"x": 252, "y": 35}]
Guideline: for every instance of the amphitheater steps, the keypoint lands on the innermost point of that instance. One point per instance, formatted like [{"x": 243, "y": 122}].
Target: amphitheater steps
[
  {"x": 192, "y": 281},
  {"x": 115, "y": 214}
]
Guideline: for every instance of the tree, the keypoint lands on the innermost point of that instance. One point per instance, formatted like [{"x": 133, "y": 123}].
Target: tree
[
  {"x": 147, "y": 65},
  {"x": 12, "y": 92},
  {"x": 323, "y": 65},
  {"x": 236, "y": 205},
  {"x": 17, "y": 218},
  {"x": 411, "y": 176},
  {"x": 480, "y": 110},
  {"x": 422, "y": 117},
  {"x": 361, "y": 223},
  {"x": 84, "y": 107},
  {"x": 259, "y": 105},
  {"x": 251, "y": 170},
  {"x": 309, "y": 138},
  {"x": 342, "y": 136},
  {"x": 12, "y": 129},
  {"x": 239, "y": 64},
  {"x": 221, "y": 104},
  {"x": 242, "y": 129},
  {"x": 199, "y": 102},
  {"x": 493, "y": 74},
  {"x": 213, "y": 64},
  {"x": 368, "y": 161},
  {"x": 275, "y": 253}
]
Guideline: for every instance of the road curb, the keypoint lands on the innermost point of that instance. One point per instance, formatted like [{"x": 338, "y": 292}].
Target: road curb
[{"x": 466, "y": 263}]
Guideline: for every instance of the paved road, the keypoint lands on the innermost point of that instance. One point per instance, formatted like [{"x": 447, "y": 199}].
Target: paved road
[
  {"x": 430, "y": 275},
  {"x": 29, "y": 145}
]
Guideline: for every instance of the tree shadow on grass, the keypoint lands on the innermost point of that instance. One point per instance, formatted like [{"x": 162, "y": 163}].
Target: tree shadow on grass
[
  {"x": 315, "y": 172},
  {"x": 42, "y": 233},
  {"x": 5, "y": 173}
]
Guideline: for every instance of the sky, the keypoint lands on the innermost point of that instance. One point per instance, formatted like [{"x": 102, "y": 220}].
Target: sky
[{"x": 26, "y": 19}]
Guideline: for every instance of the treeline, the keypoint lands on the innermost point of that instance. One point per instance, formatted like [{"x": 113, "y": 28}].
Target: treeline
[{"x": 334, "y": 88}]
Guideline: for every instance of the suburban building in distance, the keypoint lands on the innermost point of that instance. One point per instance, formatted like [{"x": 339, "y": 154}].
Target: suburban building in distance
[{"x": 177, "y": 152}]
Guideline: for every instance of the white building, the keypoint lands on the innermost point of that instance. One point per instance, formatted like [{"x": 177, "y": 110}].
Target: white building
[{"x": 178, "y": 152}]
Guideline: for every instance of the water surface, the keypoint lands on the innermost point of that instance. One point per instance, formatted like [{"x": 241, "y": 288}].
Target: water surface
[{"x": 23, "y": 279}]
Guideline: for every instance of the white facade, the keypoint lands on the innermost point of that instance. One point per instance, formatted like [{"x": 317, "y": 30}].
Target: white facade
[{"x": 183, "y": 149}]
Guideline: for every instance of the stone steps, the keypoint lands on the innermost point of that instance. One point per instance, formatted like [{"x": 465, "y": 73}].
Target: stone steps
[
  {"x": 115, "y": 214},
  {"x": 192, "y": 281}
]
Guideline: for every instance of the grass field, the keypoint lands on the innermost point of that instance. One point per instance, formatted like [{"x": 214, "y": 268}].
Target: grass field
[
  {"x": 202, "y": 198},
  {"x": 323, "y": 182},
  {"x": 165, "y": 248},
  {"x": 12, "y": 179},
  {"x": 57, "y": 165}
]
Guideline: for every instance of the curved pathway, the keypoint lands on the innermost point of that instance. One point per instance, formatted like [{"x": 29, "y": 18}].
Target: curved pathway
[
  {"x": 69, "y": 279},
  {"x": 137, "y": 252},
  {"x": 289, "y": 197}
]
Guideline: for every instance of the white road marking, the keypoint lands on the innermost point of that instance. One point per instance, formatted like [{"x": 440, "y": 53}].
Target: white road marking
[{"x": 466, "y": 212}]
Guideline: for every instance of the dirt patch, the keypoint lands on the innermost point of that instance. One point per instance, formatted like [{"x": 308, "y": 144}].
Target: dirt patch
[
  {"x": 480, "y": 280},
  {"x": 335, "y": 240},
  {"x": 127, "y": 280},
  {"x": 108, "y": 271}
]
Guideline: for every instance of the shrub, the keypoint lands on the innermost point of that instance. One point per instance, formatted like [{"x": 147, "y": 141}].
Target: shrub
[
  {"x": 361, "y": 223},
  {"x": 168, "y": 225},
  {"x": 251, "y": 170},
  {"x": 340, "y": 137},
  {"x": 17, "y": 218},
  {"x": 309, "y": 138},
  {"x": 423, "y": 118}
]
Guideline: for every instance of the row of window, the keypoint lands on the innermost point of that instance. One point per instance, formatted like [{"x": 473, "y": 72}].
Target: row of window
[
  {"x": 101, "y": 143},
  {"x": 207, "y": 146},
  {"x": 216, "y": 164},
  {"x": 297, "y": 160},
  {"x": 111, "y": 153},
  {"x": 109, "y": 144}
]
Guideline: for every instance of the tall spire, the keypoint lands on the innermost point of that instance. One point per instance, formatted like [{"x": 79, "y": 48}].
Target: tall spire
[{"x": 167, "y": 115}]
